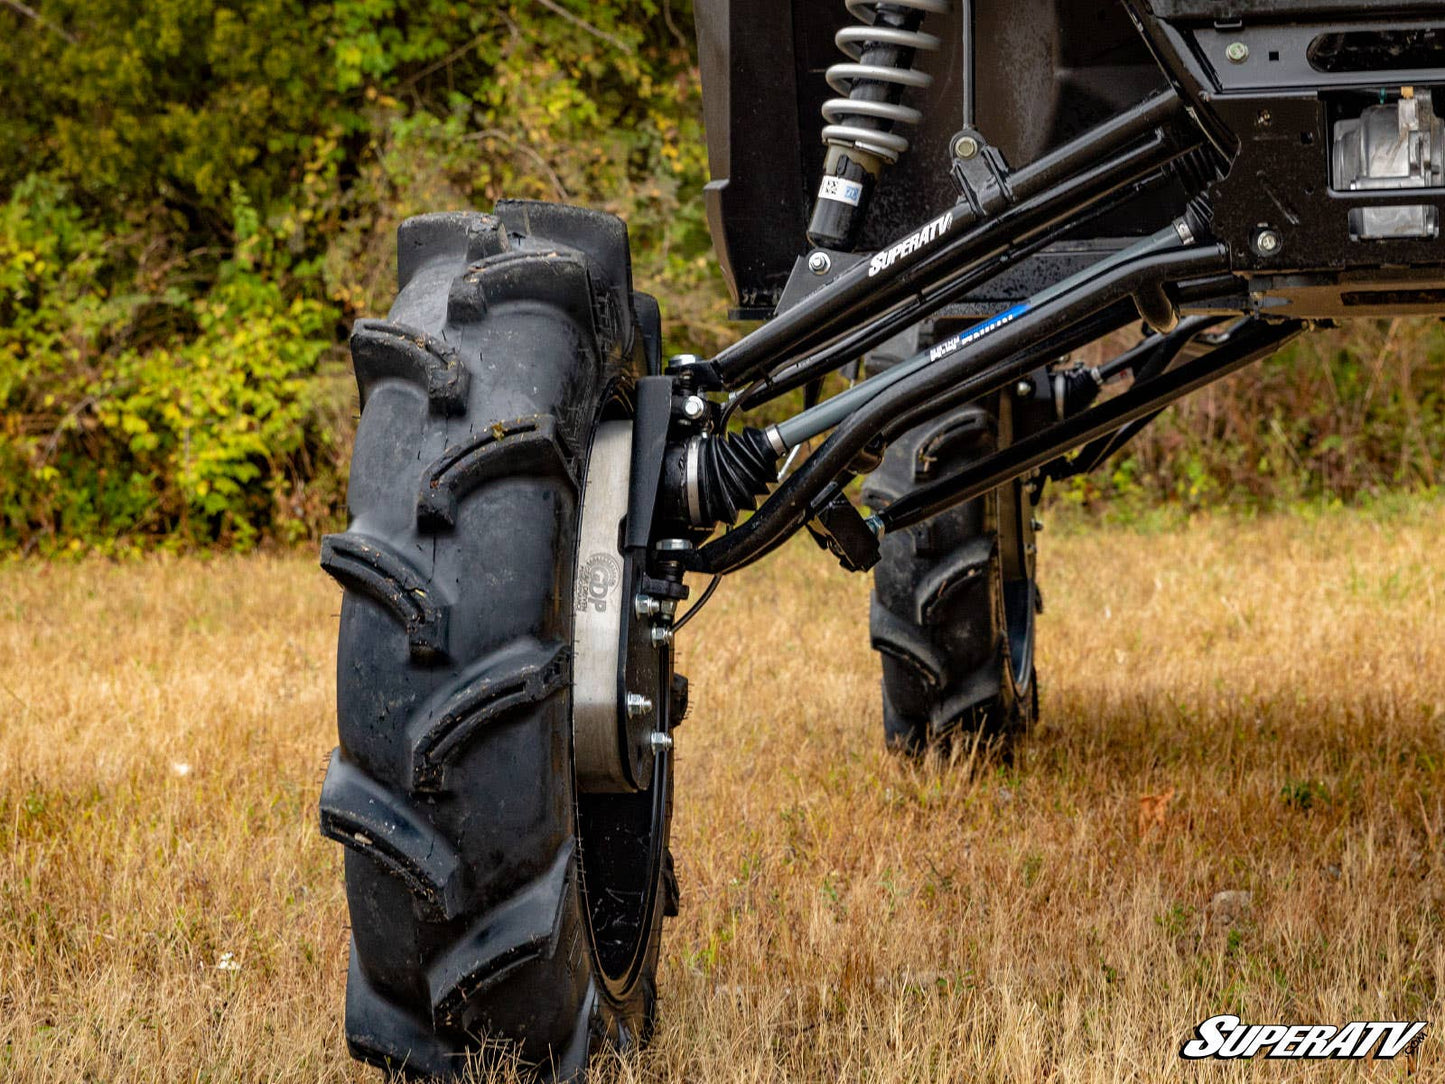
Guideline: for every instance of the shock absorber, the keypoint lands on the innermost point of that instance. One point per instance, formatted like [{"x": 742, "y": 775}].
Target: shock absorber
[{"x": 860, "y": 131}]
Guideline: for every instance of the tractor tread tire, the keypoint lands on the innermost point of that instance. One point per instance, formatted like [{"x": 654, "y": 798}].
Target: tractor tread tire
[
  {"x": 452, "y": 790},
  {"x": 937, "y": 614}
]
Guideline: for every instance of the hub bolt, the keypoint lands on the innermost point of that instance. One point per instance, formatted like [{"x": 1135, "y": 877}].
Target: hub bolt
[
  {"x": 965, "y": 147},
  {"x": 819, "y": 263},
  {"x": 1238, "y": 52},
  {"x": 638, "y": 706},
  {"x": 659, "y": 741}
]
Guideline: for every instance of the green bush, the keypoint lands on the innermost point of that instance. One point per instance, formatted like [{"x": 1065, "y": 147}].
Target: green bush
[
  {"x": 201, "y": 195},
  {"x": 114, "y": 445},
  {"x": 1339, "y": 416}
]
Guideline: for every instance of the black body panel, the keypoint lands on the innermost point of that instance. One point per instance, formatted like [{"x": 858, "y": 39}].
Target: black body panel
[
  {"x": 1271, "y": 82},
  {"x": 1273, "y": 102},
  {"x": 1230, "y": 10}
]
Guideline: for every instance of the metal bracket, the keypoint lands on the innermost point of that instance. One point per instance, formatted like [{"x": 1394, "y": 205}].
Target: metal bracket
[
  {"x": 980, "y": 173},
  {"x": 601, "y": 601},
  {"x": 842, "y": 531},
  {"x": 811, "y": 273},
  {"x": 624, "y": 616}
]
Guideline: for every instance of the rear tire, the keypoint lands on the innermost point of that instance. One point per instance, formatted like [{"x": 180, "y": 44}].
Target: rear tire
[
  {"x": 954, "y": 598},
  {"x": 495, "y": 911}
]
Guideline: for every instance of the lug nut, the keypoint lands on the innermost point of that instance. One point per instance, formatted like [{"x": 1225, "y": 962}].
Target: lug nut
[
  {"x": 638, "y": 706},
  {"x": 819, "y": 263},
  {"x": 659, "y": 741},
  {"x": 694, "y": 407},
  {"x": 661, "y": 636},
  {"x": 646, "y": 606}
]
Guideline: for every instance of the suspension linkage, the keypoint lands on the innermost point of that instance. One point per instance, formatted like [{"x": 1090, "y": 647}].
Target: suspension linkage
[
  {"x": 1253, "y": 339},
  {"x": 1055, "y": 189},
  {"x": 981, "y": 366}
]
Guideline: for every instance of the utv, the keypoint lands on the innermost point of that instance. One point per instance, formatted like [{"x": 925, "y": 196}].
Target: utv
[{"x": 964, "y": 197}]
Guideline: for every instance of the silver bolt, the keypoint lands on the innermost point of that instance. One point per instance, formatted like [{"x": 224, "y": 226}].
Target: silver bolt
[
  {"x": 661, "y": 636},
  {"x": 1024, "y": 389},
  {"x": 638, "y": 706},
  {"x": 660, "y": 741},
  {"x": 965, "y": 147},
  {"x": 819, "y": 263},
  {"x": 1238, "y": 52},
  {"x": 694, "y": 407},
  {"x": 1267, "y": 242},
  {"x": 646, "y": 606}
]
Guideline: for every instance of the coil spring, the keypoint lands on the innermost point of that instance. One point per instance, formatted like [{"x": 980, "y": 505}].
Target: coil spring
[{"x": 843, "y": 113}]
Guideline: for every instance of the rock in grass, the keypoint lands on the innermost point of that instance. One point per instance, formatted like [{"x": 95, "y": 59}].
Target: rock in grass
[{"x": 1229, "y": 907}]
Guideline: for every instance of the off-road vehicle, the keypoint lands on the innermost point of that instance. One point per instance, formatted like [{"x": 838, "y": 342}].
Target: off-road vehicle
[{"x": 949, "y": 210}]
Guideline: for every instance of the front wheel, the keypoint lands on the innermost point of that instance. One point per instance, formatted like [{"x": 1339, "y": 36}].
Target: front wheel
[{"x": 496, "y": 908}]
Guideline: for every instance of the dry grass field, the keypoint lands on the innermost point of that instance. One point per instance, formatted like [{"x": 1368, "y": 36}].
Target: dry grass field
[{"x": 1248, "y": 708}]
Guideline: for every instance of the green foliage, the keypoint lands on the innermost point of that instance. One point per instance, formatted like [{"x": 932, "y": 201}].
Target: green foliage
[
  {"x": 110, "y": 444},
  {"x": 200, "y": 195},
  {"x": 203, "y": 193},
  {"x": 1348, "y": 415}
]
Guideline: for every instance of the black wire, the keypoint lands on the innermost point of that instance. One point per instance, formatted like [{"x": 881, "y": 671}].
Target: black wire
[
  {"x": 699, "y": 604},
  {"x": 736, "y": 401}
]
